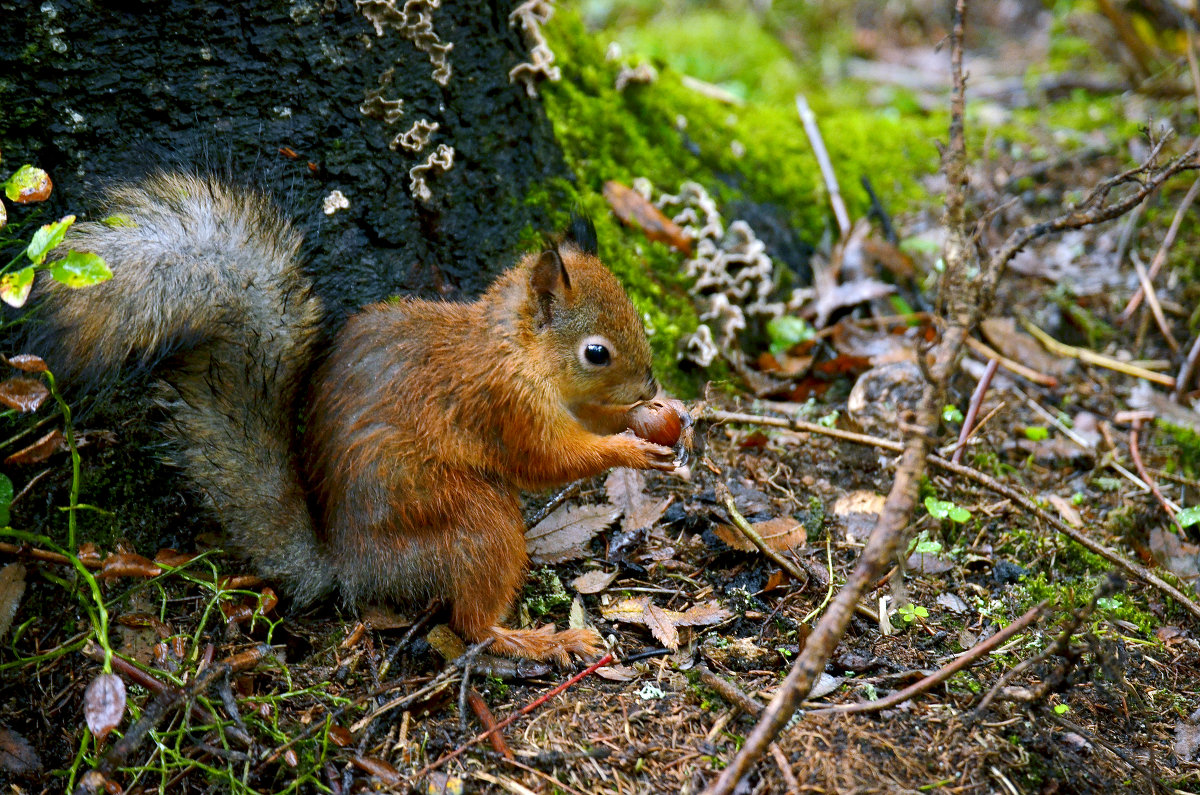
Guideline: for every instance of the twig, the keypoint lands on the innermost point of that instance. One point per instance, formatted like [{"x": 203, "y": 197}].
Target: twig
[
  {"x": 605, "y": 660},
  {"x": 1160, "y": 256},
  {"x": 729, "y": 691},
  {"x": 464, "y": 663},
  {"x": 1028, "y": 373},
  {"x": 421, "y": 621},
  {"x": 785, "y": 770},
  {"x": 1141, "y": 573},
  {"x": 1152, "y": 299},
  {"x": 1187, "y": 372},
  {"x": 480, "y": 708},
  {"x": 943, "y": 673},
  {"x": 1091, "y": 357},
  {"x": 823, "y": 162},
  {"x": 1136, "y": 454},
  {"x": 973, "y": 408},
  {"x": 555, "y": 501}
]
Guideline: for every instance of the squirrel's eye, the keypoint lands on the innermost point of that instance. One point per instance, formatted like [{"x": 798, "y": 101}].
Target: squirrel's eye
[{"x": 596, "y": 354}]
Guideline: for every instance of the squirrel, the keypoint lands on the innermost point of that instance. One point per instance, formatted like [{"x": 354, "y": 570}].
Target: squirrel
[{"x": 422, "y": 420}]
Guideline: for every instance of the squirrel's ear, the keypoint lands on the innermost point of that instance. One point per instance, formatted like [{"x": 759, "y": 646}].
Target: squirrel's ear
[
  {"x": 549, "y": 283},
  {"x": 582, "y": 234}
]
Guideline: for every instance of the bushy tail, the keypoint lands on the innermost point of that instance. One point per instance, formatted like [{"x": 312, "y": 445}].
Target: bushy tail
[{"x": 206, "y": 290}]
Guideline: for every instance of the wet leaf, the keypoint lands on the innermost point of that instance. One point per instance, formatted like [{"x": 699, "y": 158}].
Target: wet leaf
[
  {"x": 635, "y": 210},
  {"x": 565, "y": 534},
  {"x": 12, "y": 588},
  {"x": 80, "y": 269},
  {"x": 104, "y": 704},
  {"x": 378, "y": 768},
  {"x": 40, "y": 450},
  {"x": 47, "y": 238},
  {"x": 27, "y": 362},
  {"x": 15, "y": 286},
  {"x": 128, "y": 564},
  {"x": 340, "y": 736},
  {"x": 17, "y": 755},
  {"x": 23, "y": 394},
  {"x": 27, "y": 185},
  {"x": 594, "y": 581}
]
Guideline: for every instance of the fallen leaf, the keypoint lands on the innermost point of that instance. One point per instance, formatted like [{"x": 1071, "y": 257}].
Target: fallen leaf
[
  {"x": 633, "y": 209},
  {"x": 12, "y": 588},
  {"x": 377, "y": 768},
  {"x": 128, "y": 564},
  {"x": 23, "y": 394},
  {"x": 594, "y": 581},
  {"x": 617, "y": 673},
  {"x": 1005, "y": 337},
  {"x": 702, "y": 615},
  {"x": 104, "y": 704},
  {"x": 628, "y": 611},
  {"x": 661, "y": 626},
  {"x": 27, "y": 362},
  {"x": 565, "y": 533},
  {"x": 1068, "y": 512},
  {"x": 824, "y": 685},
  {"x": 17, "y": 755},
  {"x": 1179, "y": 557},
  {"x": 780, "y": 534},
  {"x": 925, "y": 563},
  {"x": 951, "y": 602},
  {"x": 40, "y": 450}
]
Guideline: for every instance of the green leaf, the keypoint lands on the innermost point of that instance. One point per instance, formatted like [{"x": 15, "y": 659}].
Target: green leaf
[
  {"x": 1188, "y": 516},
  {"x": 1108, "y": 603},
  {"x": 950, "y": 413},
  {"x": 938, "y": 509},
  {"x": 80, "y": 269},
  {"x": 47, "y": 239},
  {"x": 1062, "y": 709},
  {"x": 6, "y": 498},
  {"x": 786, "y": 331},
  {"x": 920, "y": 245},
  {"x": 27, "y": 185},
  {"x": 1036, "y": 433},
  {"x": 118, "y": 220},
  {"x": 959, "y": 515},
  {"x": 15, "y": 286},
  {"x": 928, "y": 547}
]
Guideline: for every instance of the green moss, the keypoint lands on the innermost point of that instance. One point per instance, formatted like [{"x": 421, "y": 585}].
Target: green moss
[
  {"x": 756, "y": 153},
  {"x": 544, "y": 592},
  {"x": 1186, "y": 445}
]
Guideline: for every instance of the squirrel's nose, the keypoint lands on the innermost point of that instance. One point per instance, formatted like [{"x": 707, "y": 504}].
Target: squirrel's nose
[{"x": 651, "y": 388}]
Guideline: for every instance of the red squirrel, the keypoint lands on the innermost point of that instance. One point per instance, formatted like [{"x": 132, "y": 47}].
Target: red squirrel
[{"x": 422, "y": 422}]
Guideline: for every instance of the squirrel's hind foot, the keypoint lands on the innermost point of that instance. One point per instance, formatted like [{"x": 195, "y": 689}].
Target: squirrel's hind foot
[{"x": 544, "y": 643}]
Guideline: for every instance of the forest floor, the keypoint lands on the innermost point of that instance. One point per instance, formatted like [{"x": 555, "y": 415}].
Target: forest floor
[{"x": 1100, "y": 692}]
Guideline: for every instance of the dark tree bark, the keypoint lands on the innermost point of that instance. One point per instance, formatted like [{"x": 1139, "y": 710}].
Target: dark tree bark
[{"x": 107, "y": 90}]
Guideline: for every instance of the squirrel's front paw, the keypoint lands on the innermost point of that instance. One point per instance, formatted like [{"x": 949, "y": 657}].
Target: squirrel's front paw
[{"x": 649, "y": 455}]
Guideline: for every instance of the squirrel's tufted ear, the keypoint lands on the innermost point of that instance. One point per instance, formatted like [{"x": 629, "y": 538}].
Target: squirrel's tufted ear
[
  {"x": 581, "y": 233},
  {"x": 548, "y": 284}
]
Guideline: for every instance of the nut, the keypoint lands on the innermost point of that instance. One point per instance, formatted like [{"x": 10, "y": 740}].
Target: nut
[{"x": 659, "y": 421}]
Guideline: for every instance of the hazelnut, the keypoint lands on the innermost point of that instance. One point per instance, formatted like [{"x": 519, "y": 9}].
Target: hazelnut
[{"x": 659, "y": 421}]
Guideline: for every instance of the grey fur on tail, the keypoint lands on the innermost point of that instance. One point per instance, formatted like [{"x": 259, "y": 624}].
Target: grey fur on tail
[{"x": 207, "y": 292}]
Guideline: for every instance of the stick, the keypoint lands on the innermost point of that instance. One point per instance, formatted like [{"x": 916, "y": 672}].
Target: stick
[
  {"x": 1160, "y": 256},
  {"x": 1091, "y": 357},
  {"x": 943, "y": 673},
  {"x": 827, "y": 173},
  {"x": 605, "y": 660},
  {"x": 973, "y": 409}
]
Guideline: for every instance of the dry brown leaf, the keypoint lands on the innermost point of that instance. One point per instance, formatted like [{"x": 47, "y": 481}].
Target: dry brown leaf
[
  {"x": 12, "y": 588},
  {"x": 23, "y": 394},
  {"x": 40, "y": 450},
  {"x": 378, "y": 768},
  {"x": 564, "y": 534},
  {"x": 702, "y": 615},
  {"x": 28, "y": 363},
  {"x": 617, "y": 673},
  {"x": 104, "y": 704},
  {"x": 1003, "y": 334},
  {"x": 645, "y": 515},
  {"x": 861, "y": 501},
  {"x": 627, "y": 610},
  {"x": 17, "y": 755},
  {"x": 1068, "y": 512},
  {"x": 128, "y": 564},
  {"x": 780, "y": 534},
  {"x": 626, "y": 489},
  {"x": 635, "y": 210},
  {"x": 594, "y": 581},
  {"x": 661, "y": 626}
]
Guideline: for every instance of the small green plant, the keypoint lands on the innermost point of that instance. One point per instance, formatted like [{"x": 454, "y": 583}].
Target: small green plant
[
  {"x": 786, "y": 331},
  {"x": 950, "y": 413},
  {"x": 1062, "y": 709},
  {"x": 830, "y": 419},
  {"x": 1188, "y": 516},
  {"x": 945, "y": 509},
  {"x": 924, "y": 545},
  {"x": 911, "y": 612},
  {"x": 1037, "y": 433}
]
